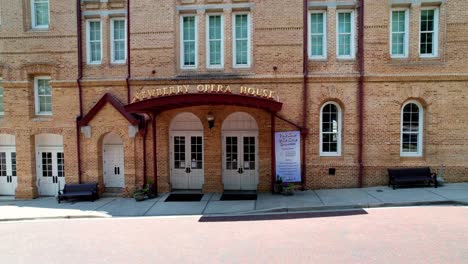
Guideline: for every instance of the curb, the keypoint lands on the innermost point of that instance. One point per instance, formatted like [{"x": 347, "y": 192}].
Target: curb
[
  {"x": 285, "y": 210},
  {"x": 350, "y": 207},
  {"x": 53, "y": 217}
]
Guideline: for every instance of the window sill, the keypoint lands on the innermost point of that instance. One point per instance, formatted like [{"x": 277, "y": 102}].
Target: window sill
[
  {"x": 399, "y": 57},
  {"x": 330, "y": 155},
  {"x": 42, "y": 118},
  {"x": 317, "y": 59},
  {"x": 39, "y": 30},
  {"x": 339, "y": 59},
  {"x": 425, "y": 57},
  {"x": 405, "y": 156}
]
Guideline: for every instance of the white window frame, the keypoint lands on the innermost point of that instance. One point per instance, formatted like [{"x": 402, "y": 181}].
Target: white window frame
[
  {"x": 2, "y": 97},
  {"x": 249, "y": 40},
  {"x": 407, "y": 32},
  {"x": 338, "y": 147},
  {"x": 435, "y": 37},
  {"x": 182, "y": 57},
  {"x": 36, "y": 95},
  {"x": 208, "y": 41},
  {"x": 88, "y": 44},
  {"x": 419, "y": 152},
  {"x": 353, "y": 36},
  {"x": 33, "y": 16},
  {"x": 113, "y": 60},
  {"x": 324, "y": 56}
]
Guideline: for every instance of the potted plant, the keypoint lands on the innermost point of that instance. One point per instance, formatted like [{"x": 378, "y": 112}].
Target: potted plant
[
  {"x": 151, "y": 190},
  {"x": 288, "y": 188},
  {"x": 140, "y": 194},
  {"x": 278, "y": 187}
]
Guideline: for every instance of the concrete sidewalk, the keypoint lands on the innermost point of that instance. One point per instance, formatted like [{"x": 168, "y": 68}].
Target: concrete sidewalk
[{"x": 332, "y": 199}]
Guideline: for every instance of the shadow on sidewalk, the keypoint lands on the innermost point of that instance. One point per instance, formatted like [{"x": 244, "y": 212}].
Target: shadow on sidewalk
[{"x": 240, "y": 218}]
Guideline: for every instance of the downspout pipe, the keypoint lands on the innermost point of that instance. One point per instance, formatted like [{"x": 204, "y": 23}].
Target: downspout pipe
[
  {"x": 78, "y": 81},
  {"x": 361, "y": 90},
  {"x": 155, "y": 157},
  {"x": 127, "y": 80},
  {"x": 304, "y": 130}
]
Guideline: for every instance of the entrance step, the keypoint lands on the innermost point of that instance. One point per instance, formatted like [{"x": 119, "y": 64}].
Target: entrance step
[{"x": 113, "y": 192}]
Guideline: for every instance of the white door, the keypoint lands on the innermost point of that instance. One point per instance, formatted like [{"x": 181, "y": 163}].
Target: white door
[
  {"x": 114, "y": 166},
  {"x": 240, "y": 166},
  {"x": 50, "y": 170},
  {"x": 187, "y": 160},
  {"x": 8, "y": 179}
]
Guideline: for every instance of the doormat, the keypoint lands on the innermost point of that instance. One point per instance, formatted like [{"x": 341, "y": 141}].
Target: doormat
[
  {"x": 184, "y": 197},
  {"x": 238, "y": 197}
]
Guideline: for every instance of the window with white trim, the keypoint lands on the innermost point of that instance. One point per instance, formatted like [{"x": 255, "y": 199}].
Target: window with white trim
[
  {"x": 188, "y": 28},
  {"x": 43, "y": 95},
  {"x": 399, "y": 33},
  {"x": 318, "y": 37},
  {"x": 330, "y": 129},
  {"x": 345, "y": 34},
  {"x": 94, "y": 41},
  {"x": 215, "y": 41},
  {"x": 118, "y": 40},
  {"x": 241, "y": 38},
  {"x": 2, "y": 109},
  {"x": 428, "y": 32},
  {"x": 411, "y": 129},
  {"x": 40, "y": 14}
]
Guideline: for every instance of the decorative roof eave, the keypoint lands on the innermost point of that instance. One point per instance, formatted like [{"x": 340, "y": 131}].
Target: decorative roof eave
[
  {"x": 108, "y": 98},
  {"x": 161, "y": 104}
]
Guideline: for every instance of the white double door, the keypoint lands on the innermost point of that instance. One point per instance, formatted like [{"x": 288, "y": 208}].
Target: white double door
[
  {"x": 50, "y": 170},
  {"x": 240, "y": 160},
  {"x": 187, "y": 160},
  {"x": 8, "y": 179},
  {"x": 114, "y": 176}
]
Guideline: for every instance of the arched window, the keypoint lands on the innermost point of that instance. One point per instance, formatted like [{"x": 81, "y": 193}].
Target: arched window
[
  {"x": 330, "y": 130},
  {"x": 411, "y": 129}
]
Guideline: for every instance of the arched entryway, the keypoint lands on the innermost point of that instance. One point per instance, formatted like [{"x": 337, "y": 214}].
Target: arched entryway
[
  {"x": 240, "y": 152},
  {"x": 50, "y": 161},
  {"x": 113, "y": 161},
  {"x": 186, "y": 152},
  {"x": 8, "y": 178}
]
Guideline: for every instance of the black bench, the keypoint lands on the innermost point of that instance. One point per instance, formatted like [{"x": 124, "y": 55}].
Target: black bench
[
  {"x": 411, "y": 176},
  {"x": 83, "y": 190}
]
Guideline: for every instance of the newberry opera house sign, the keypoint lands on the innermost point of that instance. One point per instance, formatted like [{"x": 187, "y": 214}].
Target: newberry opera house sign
[{"x": 288, "y": 159}]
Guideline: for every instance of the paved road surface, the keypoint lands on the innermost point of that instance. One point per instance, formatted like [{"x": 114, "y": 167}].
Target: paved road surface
[{"x": 386, "y": 235}]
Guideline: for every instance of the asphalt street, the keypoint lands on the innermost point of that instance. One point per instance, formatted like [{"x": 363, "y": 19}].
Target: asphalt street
[{"x": 432, "y": 234}]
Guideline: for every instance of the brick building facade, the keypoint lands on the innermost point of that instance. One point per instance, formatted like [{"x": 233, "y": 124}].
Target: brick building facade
[{"x": 82, "y": 94}]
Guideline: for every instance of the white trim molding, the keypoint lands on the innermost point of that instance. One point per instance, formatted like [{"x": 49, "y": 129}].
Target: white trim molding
[
  {"x": 435, "y": 34},
  {"x": 406, "y": 34},
  {"x": 36, "y": 96},
  {"x": 249, "y": 40},
  {"x": 324, "y": 41},
  {"x": 112, "y": 21},
  {"x": 208, "y": 49},
  {"x": 338, "y": 132},
  {"x": 182, "y": 51},
  {"x": 419, "y": 151},
  {"x": 353, "y": 35},
  {"x": 88, "y": 44}
]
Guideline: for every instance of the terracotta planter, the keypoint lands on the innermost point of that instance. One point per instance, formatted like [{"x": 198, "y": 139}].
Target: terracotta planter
[{"x": 139, "y": 197}]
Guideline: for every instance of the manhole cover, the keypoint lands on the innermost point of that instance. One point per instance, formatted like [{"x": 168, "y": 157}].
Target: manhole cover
[{"x": 379, "y": 190}]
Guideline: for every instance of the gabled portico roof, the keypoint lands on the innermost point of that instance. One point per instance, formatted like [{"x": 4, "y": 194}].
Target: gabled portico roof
[{"x": 164, "y": 103}]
